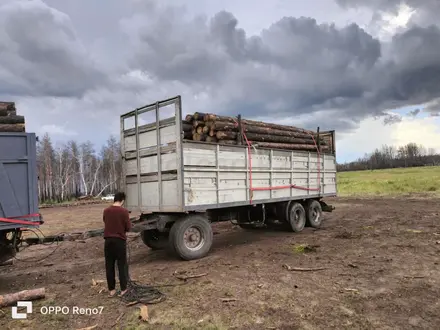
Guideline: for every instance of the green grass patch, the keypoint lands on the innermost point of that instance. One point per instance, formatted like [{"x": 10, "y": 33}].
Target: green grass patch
[{"x": 390, "y": 182}]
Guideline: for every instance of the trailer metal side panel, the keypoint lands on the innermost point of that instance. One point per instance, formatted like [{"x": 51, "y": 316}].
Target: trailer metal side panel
[
  {"x": 18, "y": 177},
  {"x": 164, "y": 173},
  {"x": 218, "y": 175}
]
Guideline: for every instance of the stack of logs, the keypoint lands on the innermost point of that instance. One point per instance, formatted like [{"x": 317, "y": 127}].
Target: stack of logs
[
  {"x": 226, "y": 130},
  {"x": 9, "y": 120}
]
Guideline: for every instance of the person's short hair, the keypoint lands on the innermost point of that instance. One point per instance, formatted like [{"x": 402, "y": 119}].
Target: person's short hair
[{"x": 119, "y": 197}]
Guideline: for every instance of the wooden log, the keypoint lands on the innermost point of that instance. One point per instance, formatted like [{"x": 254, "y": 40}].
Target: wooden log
[
  {"x": 187, "y": 127},
  {"x": 202, "y": 130},
  {"x": 12, "y": 128},
  {"x": 12, "y": 298},
  {"x": 226, "y": 135},
  {"x": 278, "y": 139},
  {"x": 199, "y": 137},
  {"x": 213, "y": 117},
  {"x": 189, "y": 118},
  {"x": 187, "y": 135},
  {"x": 197, "y": 123},
  {"x": 288, "y": 146},
  {"x": 276, "y": 126},
  {"x": 199, "y": 116},
  {"x": 271, "y": 131},
  {"x": 229, "y": 126},
  {"x": 211, "y": 139},
  {"x": 12, "y": 120},
  {"x": 3, "y": 112},
  {"x": 9, "y": 106},
  {"x": 212, "y": 132},
  {"x": 224, "y": 126}
]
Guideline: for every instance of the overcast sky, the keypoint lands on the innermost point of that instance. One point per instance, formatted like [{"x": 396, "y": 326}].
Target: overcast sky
[{"x": 368, "y": 68}]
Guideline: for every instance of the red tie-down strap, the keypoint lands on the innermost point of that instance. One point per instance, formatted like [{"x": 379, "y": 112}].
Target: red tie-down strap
[
  {"x": 20, "y": 219},
  {"x": 290, "y": 186}
]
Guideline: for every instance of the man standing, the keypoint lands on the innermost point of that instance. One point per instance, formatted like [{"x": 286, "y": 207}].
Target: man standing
[{"x": 116, "y": 224}]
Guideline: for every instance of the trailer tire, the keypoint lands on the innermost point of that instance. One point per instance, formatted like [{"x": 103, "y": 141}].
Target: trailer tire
[
  {"x": 154, "y": 239},
  {"x": 297, "y": 217},
  {"x": 180, "y": 236},
  {"x": 314, "y": 213}
]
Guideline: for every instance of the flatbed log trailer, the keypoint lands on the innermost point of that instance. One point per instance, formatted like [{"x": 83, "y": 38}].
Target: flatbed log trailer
[
  {"x": 176, "y": 188},
  {"x": 18, "y": 190}
]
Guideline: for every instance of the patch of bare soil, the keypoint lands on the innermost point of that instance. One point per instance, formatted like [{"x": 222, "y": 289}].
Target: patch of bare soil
[{"x": 380, "y": 258}]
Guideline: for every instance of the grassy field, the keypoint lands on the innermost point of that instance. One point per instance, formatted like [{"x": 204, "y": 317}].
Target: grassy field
[{"x": 391, "y": 182}]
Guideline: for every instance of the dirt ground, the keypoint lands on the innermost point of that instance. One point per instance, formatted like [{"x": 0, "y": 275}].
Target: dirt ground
[{"x": 381, "y": 258}]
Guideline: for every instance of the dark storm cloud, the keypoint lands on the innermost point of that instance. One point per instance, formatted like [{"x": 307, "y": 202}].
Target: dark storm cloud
[
  {"x": 334, "y": 76},
  {"x": 293, "y": 66},
  {"x": 41, "y": 54},
  {"x": 411, "y": 75}
]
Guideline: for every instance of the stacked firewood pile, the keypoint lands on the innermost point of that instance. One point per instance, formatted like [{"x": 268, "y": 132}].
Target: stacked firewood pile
[
  {"x": 229, "y": 130},
  {"x": 9, "y": 120}
]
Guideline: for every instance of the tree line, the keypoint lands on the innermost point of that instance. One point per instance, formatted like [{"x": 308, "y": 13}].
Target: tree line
[
  {"x": 70, "y": 170},
  {"x": 410, "y": 155}
]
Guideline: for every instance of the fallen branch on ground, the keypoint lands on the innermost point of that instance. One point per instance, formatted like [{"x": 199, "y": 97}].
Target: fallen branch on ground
[
  {"x": 225, "y": 300},
  {"x": 96, "y": 282},
  {"x": 12, "y": 298},
  {"x": 118, "y": 319},
  {"x": 299, "y": 269},
  {"x": 7, "y": 263},
  {"x": 184, "y": 278},
  {"x": 89, "y": 328},
  {"x": 143, "y": 313}
]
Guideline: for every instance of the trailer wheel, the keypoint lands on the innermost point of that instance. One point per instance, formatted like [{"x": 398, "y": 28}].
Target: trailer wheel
[
  {"x": 191, "y": 237},
  {"x": 297, "y": 217},
  {"x": 314, "y": 213},
  {"x": 154, "y": 239}
]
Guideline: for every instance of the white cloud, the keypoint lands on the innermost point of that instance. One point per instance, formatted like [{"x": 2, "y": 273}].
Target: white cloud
[
  {"x": 373, "y": 134},
  {"x": 393, "y": 22},
  {"x": 56, "y": 130}
]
